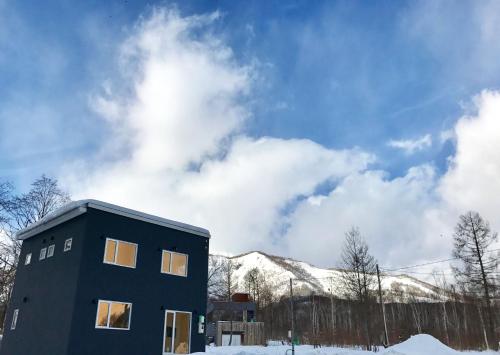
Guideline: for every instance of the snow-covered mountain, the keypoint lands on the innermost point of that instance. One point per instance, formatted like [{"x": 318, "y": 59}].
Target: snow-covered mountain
[{"x": 309, "y": 279}]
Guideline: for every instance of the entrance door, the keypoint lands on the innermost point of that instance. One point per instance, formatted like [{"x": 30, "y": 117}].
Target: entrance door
[
  {"x": 235, "y": 341},
  {"x": 177, "y": 332}
]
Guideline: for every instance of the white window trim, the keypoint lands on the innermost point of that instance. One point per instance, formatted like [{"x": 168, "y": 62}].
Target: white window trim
[
  {"x": 66, "y": 248},
  {"x": 116, "y": 253},
  {"x": 27, "y": 261},
  {"x": 50, "y": 250},
  {"x": 109, "y": 315},
  {"x": 170, "y": 266},
  {"x": 173, "y": 330},
  {"x": 43, "y": 252},
  {"x": 15, "y": 317}
]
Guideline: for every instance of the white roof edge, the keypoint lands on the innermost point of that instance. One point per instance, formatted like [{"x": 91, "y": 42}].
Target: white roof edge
[{"x": 76, "y": 208}]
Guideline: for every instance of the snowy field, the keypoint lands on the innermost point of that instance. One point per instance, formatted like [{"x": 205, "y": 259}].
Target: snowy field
[{"x": 416, "y": 345}]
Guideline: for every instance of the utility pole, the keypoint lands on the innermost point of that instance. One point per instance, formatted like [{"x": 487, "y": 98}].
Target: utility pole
[
  {"x": 293, "y": 326},
  {"x": 383, "y": 307}
]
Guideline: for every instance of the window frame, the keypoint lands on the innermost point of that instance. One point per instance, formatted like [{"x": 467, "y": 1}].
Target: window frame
[
  {"x": 109, "y": 302},
  {"x": 28, "y": 258},
  {"x": 15, "y": 317},
  {"x": 117, "y": 241},
  {"x": 43, "y": 252},
  {"x": 171, "y": 259},
  {"x": 66, "y": 248},
  {"x": 173, "y": 330},
  {"x": 50, "y": 251}
]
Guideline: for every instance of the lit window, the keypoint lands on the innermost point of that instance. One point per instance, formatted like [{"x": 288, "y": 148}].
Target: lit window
[
  {"x": 113, "y": 315},
  {"x": 27, "y": 261},
  {"x": 120, "y": 253},
  {"x": 174, "y": 263},
  {"x": 14, "y": 319},
  {"x": 43, "y": 253},
  {"x": 50, "y": 250},
  {"x": 67, "y": 244}
]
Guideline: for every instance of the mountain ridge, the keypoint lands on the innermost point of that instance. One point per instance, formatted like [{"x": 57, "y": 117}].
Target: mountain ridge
[{"x": 309, "y": 279}]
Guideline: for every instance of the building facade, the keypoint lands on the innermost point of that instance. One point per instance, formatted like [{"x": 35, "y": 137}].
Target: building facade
[
  {"x": 233, "y": 323},
  {"x": 95, "y": 278}
]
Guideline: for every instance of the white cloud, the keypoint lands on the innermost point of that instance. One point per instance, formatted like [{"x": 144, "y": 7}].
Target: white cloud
[
  {"x": 472, "y": 181},
  {"x": 186, "y": 88},
  {"x": 177, "y": 148},
  {"x": 411, "y": 146},
  {"x": 398, "y": 217},
  {"x": 409, "y": 219}
]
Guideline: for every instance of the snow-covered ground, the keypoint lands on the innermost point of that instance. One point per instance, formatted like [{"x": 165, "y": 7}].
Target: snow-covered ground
[{"x": 416, "y": 345}]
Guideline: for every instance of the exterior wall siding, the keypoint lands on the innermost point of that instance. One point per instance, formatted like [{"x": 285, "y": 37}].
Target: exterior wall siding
[
  {"x": 44, "y": 293},
  {"x": 149, "y": 291}
]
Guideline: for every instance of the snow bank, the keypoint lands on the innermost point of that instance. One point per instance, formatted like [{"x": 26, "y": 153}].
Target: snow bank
[
  {"x": 280, "y": 350},
  {"x": 424, "y": 344},
  {"x": 417, "y": 345}
]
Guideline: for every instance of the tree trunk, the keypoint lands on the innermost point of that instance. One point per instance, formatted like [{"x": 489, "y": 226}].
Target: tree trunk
[
  {"x": 485, "y": 284},
  {"x": 445, "y": 324}
]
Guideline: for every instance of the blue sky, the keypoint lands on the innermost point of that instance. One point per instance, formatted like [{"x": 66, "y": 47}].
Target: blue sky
[{"x": 342, "y": 74}]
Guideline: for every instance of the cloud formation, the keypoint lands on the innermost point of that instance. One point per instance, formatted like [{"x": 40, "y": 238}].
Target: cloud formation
[
  {"x": 177, "y": 147},
  {"x": 410, "y": 219},
  {"x": 471, "y": 181},
  {"x": 412, "y": 146}
]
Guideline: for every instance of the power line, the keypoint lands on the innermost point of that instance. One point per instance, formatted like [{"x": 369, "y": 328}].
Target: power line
[
  {"x": 414, "y": 274},
  {"x": 432, "y": 262},
  {"x": 420, "y": 265}
]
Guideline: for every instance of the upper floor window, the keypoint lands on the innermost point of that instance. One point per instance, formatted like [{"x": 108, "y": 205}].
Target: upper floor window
[
  {"x": 113, "y": 315},
  {"x": 174, "y": 263},
  {"x": 27, "y": 261},
  {"x": 67, "y": 244},
  {"x": 120, "y": 253},
  {"x": 50, "y": 250},
  {"x": 14, "y": 319},
  {"x": 43, "y": 253}
]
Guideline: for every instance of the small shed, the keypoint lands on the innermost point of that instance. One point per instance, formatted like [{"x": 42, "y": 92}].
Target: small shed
[{"x": 234, "y": 322}]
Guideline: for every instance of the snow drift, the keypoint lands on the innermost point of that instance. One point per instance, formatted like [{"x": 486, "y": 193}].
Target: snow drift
[{"x": 422, "y": 344}]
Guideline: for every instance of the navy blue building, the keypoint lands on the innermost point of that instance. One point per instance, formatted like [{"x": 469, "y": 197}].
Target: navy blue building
[{"x": 95, "y": 278}]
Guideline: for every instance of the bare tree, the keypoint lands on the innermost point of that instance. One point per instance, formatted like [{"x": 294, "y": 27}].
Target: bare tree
[
  {"x": 7, "y": 262},
  {"x": 358, "y": 278},
  {"x": 471, "y": 240},
  {"x": 5, "y": 195},
  {"x": 253, "y": 280},
  {"x": 229, "y": 282},
  {"x": 44, "y": 197},
  {"x": 230, "y": 285},
  {"x": 18, "y": 212},
  {"x": 215, "y": 279}
]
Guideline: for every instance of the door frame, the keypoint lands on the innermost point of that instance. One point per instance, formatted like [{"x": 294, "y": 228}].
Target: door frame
[
  {"x": 174, "y": 312},
  {"x": 241, "y": 334}
]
